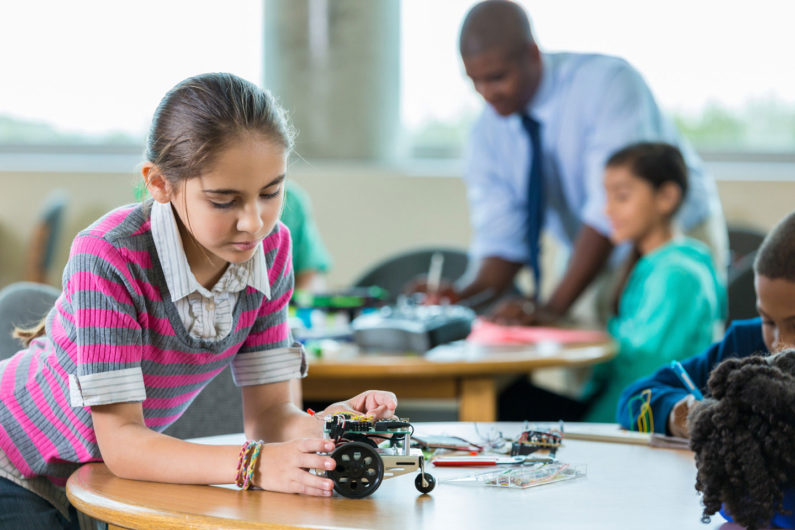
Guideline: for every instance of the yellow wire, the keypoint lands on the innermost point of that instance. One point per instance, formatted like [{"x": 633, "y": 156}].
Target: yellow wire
[{"x": 645, "y": 416}]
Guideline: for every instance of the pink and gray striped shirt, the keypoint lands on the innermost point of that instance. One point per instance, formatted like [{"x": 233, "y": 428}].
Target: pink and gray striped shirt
[{"x": 115, "y": 336}]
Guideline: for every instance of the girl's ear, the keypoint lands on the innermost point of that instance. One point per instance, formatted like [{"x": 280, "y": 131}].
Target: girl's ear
[
  {"x": 158, "y": 186},
  {"x": 669, "y": 195}
]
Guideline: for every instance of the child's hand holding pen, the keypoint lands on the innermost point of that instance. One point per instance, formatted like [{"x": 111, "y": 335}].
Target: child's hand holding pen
[{"x": 677, "y": 419}]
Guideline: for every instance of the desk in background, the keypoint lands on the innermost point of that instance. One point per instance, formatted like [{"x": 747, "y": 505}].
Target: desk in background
[
  {"x": 627, "y": 486},
  {"x": 461, "y": 370}
]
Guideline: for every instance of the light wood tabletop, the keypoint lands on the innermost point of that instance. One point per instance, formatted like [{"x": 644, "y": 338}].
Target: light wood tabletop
[
  {"x": 627, "y": 486},
  {"x": 464, "y": 371}
]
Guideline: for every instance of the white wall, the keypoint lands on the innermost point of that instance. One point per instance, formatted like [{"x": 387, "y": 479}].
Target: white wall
[{"x": 364, "y": 213}]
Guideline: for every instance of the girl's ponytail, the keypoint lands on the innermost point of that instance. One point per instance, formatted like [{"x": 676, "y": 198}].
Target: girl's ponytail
[{"x": 26, "y": 335}]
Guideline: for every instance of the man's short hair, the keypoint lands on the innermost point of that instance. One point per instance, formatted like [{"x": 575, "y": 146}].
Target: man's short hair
[{"x": 494, "y": 24}]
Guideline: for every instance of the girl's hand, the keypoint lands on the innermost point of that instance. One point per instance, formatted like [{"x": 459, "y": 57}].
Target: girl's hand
[
  {"x": 283, "y": 467},
  {"x": 377, "y": 403}
]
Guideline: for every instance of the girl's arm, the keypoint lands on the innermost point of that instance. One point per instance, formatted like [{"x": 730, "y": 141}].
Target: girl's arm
[{"x": 133, "y": 451}]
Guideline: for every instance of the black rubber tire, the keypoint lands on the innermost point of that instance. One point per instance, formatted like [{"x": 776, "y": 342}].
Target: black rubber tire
[
  {"x": 359, "y": 470},
  {"x": 429, "y": 479}
]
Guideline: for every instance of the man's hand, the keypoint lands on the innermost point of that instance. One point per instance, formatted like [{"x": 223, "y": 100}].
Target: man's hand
[
  {"x": 677, "y": 419},
  {"x": 445, "y": 292},
  {"x": 521, "y": 312}
]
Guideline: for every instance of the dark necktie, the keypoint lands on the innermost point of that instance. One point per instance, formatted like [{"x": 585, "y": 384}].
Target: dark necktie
[{"x": 535, "y": 199}]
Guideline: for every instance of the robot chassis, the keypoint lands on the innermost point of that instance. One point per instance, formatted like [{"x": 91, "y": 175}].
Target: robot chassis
[{"x": 361, "y": 464}]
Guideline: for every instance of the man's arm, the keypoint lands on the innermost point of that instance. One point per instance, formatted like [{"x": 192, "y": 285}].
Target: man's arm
[
  {"x": 589, "y": 255},
  {"x": 494, "y": 277}
]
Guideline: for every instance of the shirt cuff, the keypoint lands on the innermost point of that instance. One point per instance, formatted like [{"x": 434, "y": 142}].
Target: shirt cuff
[
  {"x": 103, "y": 388},
  {"x": 269, "y": 366}
]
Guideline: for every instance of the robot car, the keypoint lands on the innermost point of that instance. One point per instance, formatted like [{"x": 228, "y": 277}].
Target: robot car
[{"x": 362, "y": 464}]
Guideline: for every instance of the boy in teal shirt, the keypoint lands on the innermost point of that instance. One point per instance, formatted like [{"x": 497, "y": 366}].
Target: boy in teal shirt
[{"x": 670, "y": 302}]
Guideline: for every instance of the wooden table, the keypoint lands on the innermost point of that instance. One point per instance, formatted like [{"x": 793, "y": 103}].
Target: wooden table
[
  {"x": 627, "y": 486},
  {"x": 464, "y": 371}
]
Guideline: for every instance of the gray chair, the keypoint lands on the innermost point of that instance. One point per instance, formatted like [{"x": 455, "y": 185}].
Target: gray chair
[
  {"x": 45, "y": 236},
  {"x": 395, "y": 272},
  {"x": 743, "y": 245},
  {"x": 22, "y": 304},
  {"x": 743, "y": 240},
  {"x": 218, "y": 409}
]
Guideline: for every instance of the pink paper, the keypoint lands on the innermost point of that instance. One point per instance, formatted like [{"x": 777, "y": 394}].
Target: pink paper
[{"x": 488, "y": 333}]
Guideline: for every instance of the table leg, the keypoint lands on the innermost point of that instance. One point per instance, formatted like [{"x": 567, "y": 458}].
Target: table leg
[{"x": 477, "y": 399}]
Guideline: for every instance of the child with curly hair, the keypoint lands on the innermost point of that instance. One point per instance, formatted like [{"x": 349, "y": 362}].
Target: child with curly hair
[{"x": 744, "y": 440}]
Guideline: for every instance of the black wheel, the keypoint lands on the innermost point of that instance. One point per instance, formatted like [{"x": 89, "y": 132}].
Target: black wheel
[
  {"x": 428, "y": 479},
  {"x": 359, "y": 470}
]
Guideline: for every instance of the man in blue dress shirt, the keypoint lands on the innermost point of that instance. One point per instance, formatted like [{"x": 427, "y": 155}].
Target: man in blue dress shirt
[{"x": 576, "y": 109}]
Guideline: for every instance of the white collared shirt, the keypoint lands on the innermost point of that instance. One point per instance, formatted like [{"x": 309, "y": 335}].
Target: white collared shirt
[{"x": 206, "y": 314}]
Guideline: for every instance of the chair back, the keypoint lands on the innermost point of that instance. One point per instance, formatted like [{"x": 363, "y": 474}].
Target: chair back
[
  {"x": 218, "y": 409},
  {"x": 23, "y": 305},
  {"x": 395, "y": 272},
  {"x": 743, "y": 245},
  {"x": 45, "y": 236}
]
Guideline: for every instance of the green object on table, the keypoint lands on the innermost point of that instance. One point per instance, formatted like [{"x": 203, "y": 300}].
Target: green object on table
[{"x": 315, "y": 349}]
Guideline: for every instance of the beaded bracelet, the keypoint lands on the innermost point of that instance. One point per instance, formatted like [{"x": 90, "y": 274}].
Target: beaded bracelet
[
  {"x": 252, "y": 464},
  {"x": 247, "y": 463},
  {"x": 241, "y": 463}
]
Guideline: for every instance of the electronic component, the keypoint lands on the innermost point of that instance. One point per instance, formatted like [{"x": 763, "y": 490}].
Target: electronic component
[
  {"x": 412, "y": 328},
  {"x": 362, "y": 464},
  {"x": 531, "y": 441}
]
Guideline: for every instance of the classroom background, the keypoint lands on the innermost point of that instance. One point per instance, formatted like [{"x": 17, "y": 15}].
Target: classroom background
[{"x": 379, "y": 96}]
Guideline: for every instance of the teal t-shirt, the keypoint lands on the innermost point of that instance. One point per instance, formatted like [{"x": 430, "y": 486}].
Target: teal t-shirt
[
  {"x": 672, "y": 307},
  {"x": 309, "y": 253}
]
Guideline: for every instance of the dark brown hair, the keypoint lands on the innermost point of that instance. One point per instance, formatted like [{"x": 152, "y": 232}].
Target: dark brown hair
[
  {"x": 775, "y": 258},
  {"x": 26, "y": 335},
  {"x": 654, "y": 162},
  {"x": 744, "y": 438},
  {"x": 202, "y": 115}
]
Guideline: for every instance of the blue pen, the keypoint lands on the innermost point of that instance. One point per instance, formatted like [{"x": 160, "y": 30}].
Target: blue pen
[{"x": 679, "y": 370}]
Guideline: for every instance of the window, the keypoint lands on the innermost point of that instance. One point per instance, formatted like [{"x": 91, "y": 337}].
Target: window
[
  {"x": 720, "y": 69},
  {"x": 92, "y": 72}
]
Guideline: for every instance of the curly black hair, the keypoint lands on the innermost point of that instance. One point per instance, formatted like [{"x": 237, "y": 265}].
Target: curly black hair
[{"x": 743, "y": 437}]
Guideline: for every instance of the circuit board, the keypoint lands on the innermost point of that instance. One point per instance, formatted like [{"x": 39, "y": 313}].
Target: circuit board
[
  {"x": 342, "y": 425},
  {"x": 531, "y": 441}
]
